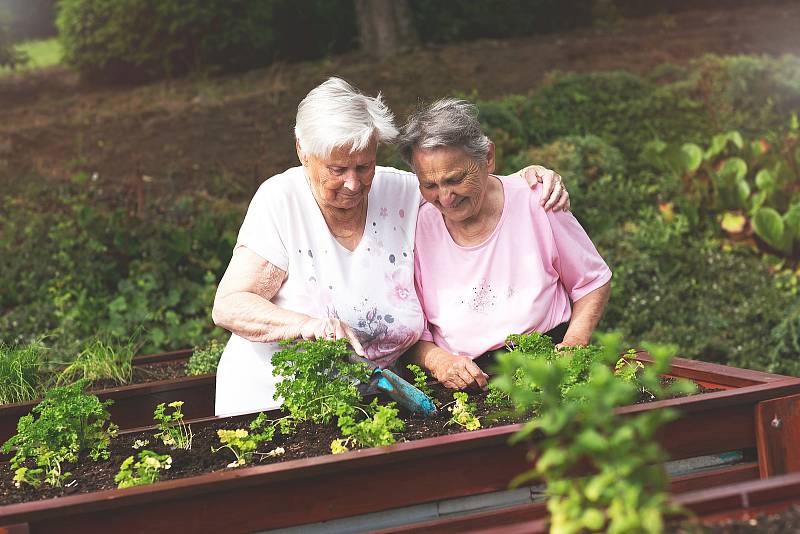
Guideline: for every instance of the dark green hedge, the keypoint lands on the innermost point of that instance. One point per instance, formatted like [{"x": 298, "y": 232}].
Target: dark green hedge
[{"x": 135, "y": 40}]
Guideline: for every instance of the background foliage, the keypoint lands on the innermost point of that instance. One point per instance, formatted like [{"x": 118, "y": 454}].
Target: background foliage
[{"x": 134, "y": 40}]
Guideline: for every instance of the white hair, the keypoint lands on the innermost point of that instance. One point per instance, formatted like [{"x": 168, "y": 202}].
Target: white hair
[
  {"x": 335, "y": 114},
  {"x": 448, "y": 122}
]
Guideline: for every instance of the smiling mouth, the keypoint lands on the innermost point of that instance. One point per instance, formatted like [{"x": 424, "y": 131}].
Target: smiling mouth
[{"x": 456, "y": 205}]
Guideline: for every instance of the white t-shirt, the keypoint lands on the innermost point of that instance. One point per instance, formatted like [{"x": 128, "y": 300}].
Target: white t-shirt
[{"x": 371, "y": 288}]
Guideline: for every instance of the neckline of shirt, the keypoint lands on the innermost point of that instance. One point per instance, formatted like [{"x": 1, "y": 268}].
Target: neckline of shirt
[
  {"x": 496, "y": 227},
  {"x": 321, "y": 218}
]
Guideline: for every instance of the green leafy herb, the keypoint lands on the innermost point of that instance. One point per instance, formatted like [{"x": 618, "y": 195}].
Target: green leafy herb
[
  {"x": 143, "y": 469},
  {"x": 420, "y": 379},
  {"x": 463, "y": 412},
  {"x": 65, "y": 426},
  {"x": 173, "y": 431},
  {"x": 626, "y": 488},
  {"x": 243, "y": 443},
  {"x": 204, "y": 360}
]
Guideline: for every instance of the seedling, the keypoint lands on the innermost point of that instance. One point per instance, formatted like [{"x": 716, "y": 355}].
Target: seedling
[
  {"x": 463, "y": 412},
  {"x": 420, "y": 379},
  {"x": 144, "y": 470},
  {"x": 243, "y": 443},
  {"x": 173, "y": 431}
]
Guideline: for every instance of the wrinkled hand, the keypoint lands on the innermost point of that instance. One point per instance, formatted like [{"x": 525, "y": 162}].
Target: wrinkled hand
[
  {"x": 458, "y": 372},
  {"x": 554, "y": 195},
  {"x": 330, "y": 329}
]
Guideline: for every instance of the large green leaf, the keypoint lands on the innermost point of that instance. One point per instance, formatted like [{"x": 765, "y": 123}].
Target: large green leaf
[
  {"x": 692, "y": 156},
  {"x": 769, "y": 226},
  {"x": 765, "y": 180},
  {"x": 791, "y": 221},
  {"x": 733, "y": 168},
  {"x": 732, "y": 188}
]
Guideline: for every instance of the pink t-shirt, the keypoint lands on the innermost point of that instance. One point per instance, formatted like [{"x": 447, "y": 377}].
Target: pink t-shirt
[{"x": 520, "y": 280}]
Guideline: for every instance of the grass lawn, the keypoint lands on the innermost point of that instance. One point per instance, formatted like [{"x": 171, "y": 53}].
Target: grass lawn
[{"x": 42, "y": 53}]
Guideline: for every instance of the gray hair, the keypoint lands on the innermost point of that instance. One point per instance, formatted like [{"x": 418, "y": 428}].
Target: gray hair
[
  {"x": 335, "y": 114},
  {"x": 448, "y": 122}
]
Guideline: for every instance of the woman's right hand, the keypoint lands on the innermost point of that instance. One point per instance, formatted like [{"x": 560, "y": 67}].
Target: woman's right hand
[
  {"x": 330, "y": 329},
  {"x": 457, "y": 372}
]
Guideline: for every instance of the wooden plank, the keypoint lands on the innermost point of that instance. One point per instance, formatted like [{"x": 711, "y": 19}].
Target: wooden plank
[
  {"x": 778, "y": 435},
  {"x": 531, "y": 516},
  {"x": 714, "y": 373},
  {"x": 735, "y": 500},
  {"x": 716, "y": 477},
  {"x": 161, "y": 357}
]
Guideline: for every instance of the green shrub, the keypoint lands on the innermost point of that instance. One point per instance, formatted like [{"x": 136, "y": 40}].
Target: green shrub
[
  {"x": 82, "y": 268},
  {"x": 784, "y": 343},
  {"x": 9, "y": 55},
  {"x": 133, "y": 40},
  {"x": 501, "y": 123},
  {"x": 624, "y": 109},
  {"x": 673, "y": 284},
  {"x": 750, "y": 94},
  {"x": 472, "y": 19}
]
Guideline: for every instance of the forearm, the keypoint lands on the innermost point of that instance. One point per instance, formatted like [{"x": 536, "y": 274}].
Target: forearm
[
  {"x": 586, "y": 313},
  {"x": 254, "y": 318}
]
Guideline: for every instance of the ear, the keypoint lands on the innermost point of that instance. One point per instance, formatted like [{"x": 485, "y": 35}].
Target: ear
[
  {"x": 490, "y": 160},
  {"x": 300, "y": 154}
]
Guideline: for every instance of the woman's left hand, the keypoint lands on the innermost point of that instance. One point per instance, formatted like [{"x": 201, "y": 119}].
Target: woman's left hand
[{"x": 554, "y": 195}]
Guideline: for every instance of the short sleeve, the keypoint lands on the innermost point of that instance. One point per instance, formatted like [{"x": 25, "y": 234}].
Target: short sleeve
[
  {"x": 260, "y": 231},
  {"x": 579, "y": 265}
]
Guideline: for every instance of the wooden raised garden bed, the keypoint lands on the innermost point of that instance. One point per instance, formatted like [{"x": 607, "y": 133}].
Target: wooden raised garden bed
[
  {"x": 317, "y": 489},
  {"x": 134, "y": 404}
]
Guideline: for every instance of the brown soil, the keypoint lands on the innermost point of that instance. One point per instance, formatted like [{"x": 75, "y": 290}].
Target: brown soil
[
  {"x": 143, "y": 374},
  {"x": 225, "y": 134}
]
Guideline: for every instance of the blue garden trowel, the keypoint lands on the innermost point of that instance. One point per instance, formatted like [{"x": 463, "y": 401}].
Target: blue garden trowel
[{"x": 401, "y": 391}]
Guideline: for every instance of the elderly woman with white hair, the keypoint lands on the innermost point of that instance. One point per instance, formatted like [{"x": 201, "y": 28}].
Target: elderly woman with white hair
[
  {"x": 489, "y": 261},
  {"x": 326, "y": 249}
]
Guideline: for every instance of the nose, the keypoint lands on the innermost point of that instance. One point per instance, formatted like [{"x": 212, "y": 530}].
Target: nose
[
  {"x": 352, "y": 181},
  {"x": 447, "y": 198}
]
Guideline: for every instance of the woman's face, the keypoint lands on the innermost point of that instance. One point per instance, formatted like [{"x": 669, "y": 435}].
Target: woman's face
[
  {"x": 452, "y": 181},
  {"x": 343, "y": 179}
]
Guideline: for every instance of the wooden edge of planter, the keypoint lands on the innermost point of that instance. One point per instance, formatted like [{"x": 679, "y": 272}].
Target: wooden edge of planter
[
  {"x": 161, "y": 357},
  {"x": 532, "y": 517},
  {"x": 714, "y": 373},
  {"x": 743, "y": 500}
]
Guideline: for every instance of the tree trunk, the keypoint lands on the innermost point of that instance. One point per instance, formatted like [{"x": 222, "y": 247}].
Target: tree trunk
[{"x": 385, "y": 26}]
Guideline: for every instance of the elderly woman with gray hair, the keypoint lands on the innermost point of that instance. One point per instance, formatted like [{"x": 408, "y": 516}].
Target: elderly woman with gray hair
[
  {"x": 326, "y": 249},
  {"x": 488, "y": 260}
]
